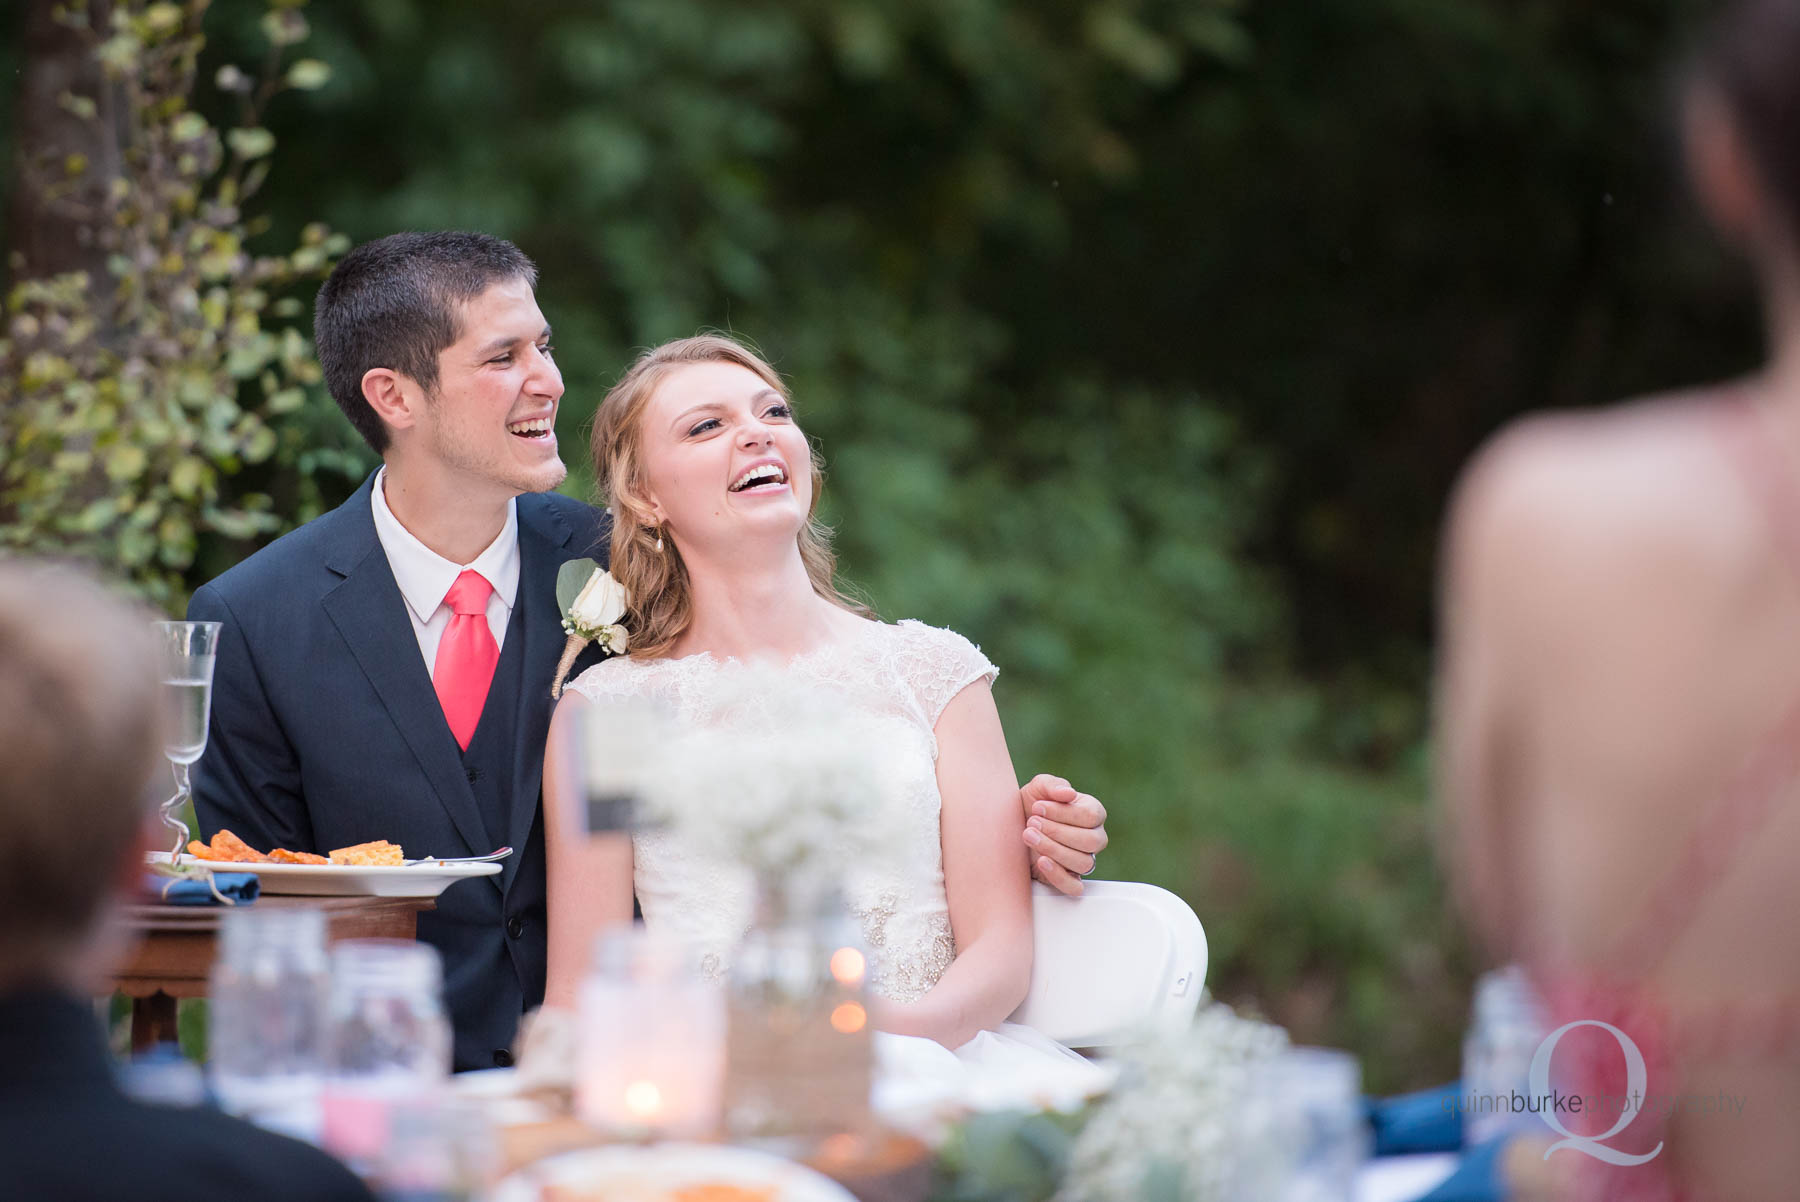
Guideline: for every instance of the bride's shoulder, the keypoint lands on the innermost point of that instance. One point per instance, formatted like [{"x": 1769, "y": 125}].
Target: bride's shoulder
[
  {"x": 912, "y": 633},
  {"x": 936, "y": 658},
  {"x": 614, "y": 677}
]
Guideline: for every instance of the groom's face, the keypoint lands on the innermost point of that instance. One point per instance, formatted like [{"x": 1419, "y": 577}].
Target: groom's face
[{"x": 492, "y": 420}]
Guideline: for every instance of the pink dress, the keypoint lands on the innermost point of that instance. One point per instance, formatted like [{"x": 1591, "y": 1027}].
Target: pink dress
[{"x": 1589, "y": 1060}]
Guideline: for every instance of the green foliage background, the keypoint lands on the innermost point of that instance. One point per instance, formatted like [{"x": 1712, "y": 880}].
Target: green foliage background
[{"x": 1143, "y": 338}]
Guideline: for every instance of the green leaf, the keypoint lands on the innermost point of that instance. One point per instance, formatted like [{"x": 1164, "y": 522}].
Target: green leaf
[
  {"x": 187, "y": 477},
  {"x": 125, "y": 463},
  {"x": 571, "y": 578},
  {"x": 188, "y": 126},
  {"x": 260, "y": 445},
  {"x": 309, "y": 74},
  {"x": 97, "y": 516},
  {"x": 284, "y": 28},
  {"x": 136, "y": 546},
  {"x": 251, "y": 143},
  {"x": 163, "y": 18},
  {"x": 82, "y": 106}
]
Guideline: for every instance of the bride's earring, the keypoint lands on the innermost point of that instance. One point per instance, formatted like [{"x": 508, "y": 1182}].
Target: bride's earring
[{"x": 659, "y": 543}]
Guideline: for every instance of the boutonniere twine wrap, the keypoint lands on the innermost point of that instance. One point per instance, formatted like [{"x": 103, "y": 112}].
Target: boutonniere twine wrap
[{"x": 591, "y": 613}]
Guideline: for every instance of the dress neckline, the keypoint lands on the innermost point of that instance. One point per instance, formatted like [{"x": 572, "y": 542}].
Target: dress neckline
[{"x": 864, "y": 630}]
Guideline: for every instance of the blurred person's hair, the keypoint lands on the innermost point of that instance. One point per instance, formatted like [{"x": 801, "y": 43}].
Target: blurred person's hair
[
  {"x": 81, "y": 727},
  {"x": 1749, "y": 58},
  {"x": 397, "y": 303},
  {"x": 662, "y": 603}
]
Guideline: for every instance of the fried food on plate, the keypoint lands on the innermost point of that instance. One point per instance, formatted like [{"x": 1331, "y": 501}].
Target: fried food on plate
[
  {"x": 227, "y": 848},
  {"x": 282, "y": 855},
  {"x": 379, "y": 853},
  {"x": 201, "y": 851},
  {"x": 646, "y": 1191}
]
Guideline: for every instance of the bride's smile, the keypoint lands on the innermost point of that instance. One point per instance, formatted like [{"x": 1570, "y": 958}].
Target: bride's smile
[{"x": 724, "y": 460}]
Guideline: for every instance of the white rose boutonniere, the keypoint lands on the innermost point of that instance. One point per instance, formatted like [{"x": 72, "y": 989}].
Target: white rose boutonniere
[{"x": 592, "y": 604}]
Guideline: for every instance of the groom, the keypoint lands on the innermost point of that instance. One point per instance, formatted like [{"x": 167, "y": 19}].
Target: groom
[{"x": 384, "y": 671}]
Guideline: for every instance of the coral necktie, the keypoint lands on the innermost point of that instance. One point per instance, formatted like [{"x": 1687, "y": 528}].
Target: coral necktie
[{"x": 465, "y": 656}]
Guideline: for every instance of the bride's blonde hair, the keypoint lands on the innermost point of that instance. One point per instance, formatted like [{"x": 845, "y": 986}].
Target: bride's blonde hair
[{"x": 662, "y": 603}]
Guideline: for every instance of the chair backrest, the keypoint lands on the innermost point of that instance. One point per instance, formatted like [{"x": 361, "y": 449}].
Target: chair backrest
[{"x": 1122, "y": 960}]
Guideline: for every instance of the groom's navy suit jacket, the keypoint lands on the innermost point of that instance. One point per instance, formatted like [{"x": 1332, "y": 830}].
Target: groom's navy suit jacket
[{"x": 326, "y": 732}]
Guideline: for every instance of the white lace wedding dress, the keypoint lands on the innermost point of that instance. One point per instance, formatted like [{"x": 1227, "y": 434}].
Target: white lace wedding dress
[{"x": 895, "y": 679}]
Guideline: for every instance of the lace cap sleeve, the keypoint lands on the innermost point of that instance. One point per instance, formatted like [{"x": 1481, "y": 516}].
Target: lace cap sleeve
[
  {"x": 939, "y": 664},
  {"x": 612, "y": 679}
]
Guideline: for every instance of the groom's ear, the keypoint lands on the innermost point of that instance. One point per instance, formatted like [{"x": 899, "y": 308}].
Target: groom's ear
[{"x": 394, "y": 397}]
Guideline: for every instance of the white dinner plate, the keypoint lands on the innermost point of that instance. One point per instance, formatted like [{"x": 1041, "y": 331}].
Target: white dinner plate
[
  {"x": 654, "y": 1173},
  {"x": 349, "y": 880}
]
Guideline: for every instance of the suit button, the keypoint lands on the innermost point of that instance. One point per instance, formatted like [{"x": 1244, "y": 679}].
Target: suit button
[
  {"x": 503, "y": 1059},
  {"x": 515, "y": 927},
  {"x": 474, "y": 774}
]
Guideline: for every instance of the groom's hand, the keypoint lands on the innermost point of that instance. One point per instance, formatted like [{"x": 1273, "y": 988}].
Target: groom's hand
[{"x": 1065, "y": 831}]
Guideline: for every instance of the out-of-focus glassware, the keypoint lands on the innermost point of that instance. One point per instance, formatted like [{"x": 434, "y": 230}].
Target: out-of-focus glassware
[
  {"x": 267, "y": 1016},
  {"x": 652, "y": 1040},
  {"x": 387, "y": 1041},
  {"x": 1303, "y": 1136},
  {"x": 1507, "y": 1024},
  {"x": 438, "y": 1150},
  {"x": 189, "y": 650},
  {"x": 800, "y": 1058}
]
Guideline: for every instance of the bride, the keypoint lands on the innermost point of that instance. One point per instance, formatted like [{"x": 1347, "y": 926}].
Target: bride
[{"x": 713, "y": 487}]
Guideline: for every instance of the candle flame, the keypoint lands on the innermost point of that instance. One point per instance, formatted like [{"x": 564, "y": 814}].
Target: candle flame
[
  {"x": 642, "y": 1098},
  {"x": 848, "y": 966},
  {"x": 849, "y": 1018}
]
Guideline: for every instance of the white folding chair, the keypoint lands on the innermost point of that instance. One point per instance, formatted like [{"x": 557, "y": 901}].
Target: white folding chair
[{"x": 1121, "y": 961}]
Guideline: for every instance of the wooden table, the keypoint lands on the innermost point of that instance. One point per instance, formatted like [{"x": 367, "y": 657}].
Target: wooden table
[{"x": 175, "y": 947}]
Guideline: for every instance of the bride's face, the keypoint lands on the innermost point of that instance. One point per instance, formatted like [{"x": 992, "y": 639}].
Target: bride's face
[{"x": 723, "y": 459}]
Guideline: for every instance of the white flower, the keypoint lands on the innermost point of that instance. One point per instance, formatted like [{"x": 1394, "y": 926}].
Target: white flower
[
  {"x": 613, "y": 638},
  {"x": 1175, "y": 1116},
  {"x": 600, "y": 604},
  {"x": 781, "y": 779}
]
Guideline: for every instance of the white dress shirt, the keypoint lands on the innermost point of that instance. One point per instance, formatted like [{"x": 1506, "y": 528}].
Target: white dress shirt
[{"x": 425, "y": 577}]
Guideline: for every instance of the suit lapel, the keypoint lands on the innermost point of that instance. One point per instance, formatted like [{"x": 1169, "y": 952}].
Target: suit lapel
[
  {"x": 370, "y": 615},
  {"x": 543, "y": 548}
]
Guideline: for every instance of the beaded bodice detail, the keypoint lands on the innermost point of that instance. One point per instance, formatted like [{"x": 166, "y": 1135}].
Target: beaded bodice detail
[{"x": 893, "y": 681}]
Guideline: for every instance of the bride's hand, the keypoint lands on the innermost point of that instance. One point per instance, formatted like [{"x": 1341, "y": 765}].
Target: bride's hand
[{"x": 1065, "y": 830}]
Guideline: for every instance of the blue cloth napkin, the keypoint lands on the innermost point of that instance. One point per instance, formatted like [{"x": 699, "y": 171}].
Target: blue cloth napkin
[
  {"x": 240, "y": 887},
  {"x": 1477, "y": 1177},
  {"x": 1427, "y": 1121}
]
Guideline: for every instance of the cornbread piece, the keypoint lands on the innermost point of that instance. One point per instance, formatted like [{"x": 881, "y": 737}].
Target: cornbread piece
[{"x": 379, "y": 854}]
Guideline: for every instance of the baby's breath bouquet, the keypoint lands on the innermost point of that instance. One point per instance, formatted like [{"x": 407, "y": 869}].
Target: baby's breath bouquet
[
  {"x": 1169, "y": 1129},
  {"x": 779, "y": 776}
]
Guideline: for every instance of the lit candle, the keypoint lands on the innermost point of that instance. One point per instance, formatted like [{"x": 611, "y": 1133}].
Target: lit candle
[{"x": 652, "y": 1050}]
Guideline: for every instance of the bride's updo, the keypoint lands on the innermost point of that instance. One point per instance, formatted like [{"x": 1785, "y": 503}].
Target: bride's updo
[{"x": 657, "y": 581}]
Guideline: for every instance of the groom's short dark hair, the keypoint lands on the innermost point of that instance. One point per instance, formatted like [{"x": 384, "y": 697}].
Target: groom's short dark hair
[{"x": 395, "y": 303}]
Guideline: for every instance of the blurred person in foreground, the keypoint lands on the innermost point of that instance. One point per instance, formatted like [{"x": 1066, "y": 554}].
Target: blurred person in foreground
[
  {"x": 80, "y": 737},
  {"x": 1620, "y": 704}
]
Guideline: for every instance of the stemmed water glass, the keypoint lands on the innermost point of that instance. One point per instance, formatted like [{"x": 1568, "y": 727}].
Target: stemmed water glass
[{"x": 188, "y": 650}]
